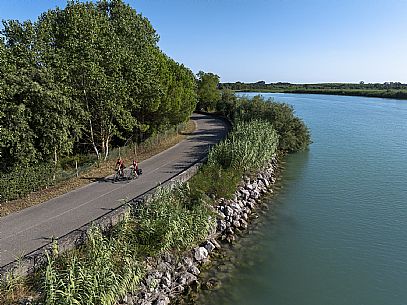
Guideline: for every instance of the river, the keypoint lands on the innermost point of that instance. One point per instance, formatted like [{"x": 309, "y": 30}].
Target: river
[{"x": 336, "y": 233}]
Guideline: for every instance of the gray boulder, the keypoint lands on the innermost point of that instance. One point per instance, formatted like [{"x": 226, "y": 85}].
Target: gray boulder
[
  {"x": 235, "y": 206},
  {"x": 194, "y": 270},
  {"x": 236, "y": 223},
  {"x": 162, "y": 300},
  {"x": 186, "y": 278},
  {"x": 209, "y": 246},
  {"x": 165, "y": 282},
  {"x": 245, "y": 194},
  {"x": 201, "y": 254},
  {"x": 243, "y": 223},
  {"x": 228, "y": 211},
  {"x": 188, "y": 262},
  {"x": 249, "y": 187},
  {"x": 222, "y": 225}
]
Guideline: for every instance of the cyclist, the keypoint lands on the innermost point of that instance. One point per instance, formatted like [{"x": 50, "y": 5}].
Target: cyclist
[
  {"x": 135, "y": 168},
  {"x": 120, "y": 167}
]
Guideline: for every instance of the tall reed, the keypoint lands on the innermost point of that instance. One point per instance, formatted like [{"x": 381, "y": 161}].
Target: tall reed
[
  {"x": 173, "y": 219},
  {"x": 248, "y": 147},
  {"x": 105, "y": 269},
  {"x": 107, "y": 266}
]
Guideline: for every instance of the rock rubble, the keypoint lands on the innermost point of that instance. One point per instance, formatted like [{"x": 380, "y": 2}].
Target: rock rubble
[{"x": 169, "y": 275}]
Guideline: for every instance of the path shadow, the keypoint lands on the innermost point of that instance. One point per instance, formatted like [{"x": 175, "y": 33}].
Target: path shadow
[
  {"x": 97, "y": 179},
  {"x": 47, "y": 239}
]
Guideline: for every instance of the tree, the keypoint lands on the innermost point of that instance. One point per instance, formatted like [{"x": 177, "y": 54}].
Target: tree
[
  {"x": 88, "y": 54},
  {"x": 208, "y": 92},
  {"x": 179, "y": 92},
  {"x": 83, "y": 77},
  {"x": 227, "y": 103},
  {"x": 37, "y": 93},
  {"x": 16, "y": 136}
]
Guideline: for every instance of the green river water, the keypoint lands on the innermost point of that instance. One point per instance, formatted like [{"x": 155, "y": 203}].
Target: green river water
[{"x": 336, "y": 232}]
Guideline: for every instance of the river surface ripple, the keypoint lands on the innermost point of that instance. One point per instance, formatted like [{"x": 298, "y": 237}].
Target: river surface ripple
[{"x": 337, "y": 232}]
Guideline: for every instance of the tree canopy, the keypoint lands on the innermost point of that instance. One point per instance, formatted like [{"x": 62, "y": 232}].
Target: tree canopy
[
  {"x": 208, "y": 93},
  {"x": 79, "y": 78}
]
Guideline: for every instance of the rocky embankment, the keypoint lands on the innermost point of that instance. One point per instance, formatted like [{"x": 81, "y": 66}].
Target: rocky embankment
[{"x": 172, "y": 275}]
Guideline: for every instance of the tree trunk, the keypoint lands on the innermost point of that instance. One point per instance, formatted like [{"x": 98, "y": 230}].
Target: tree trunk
[
  {"x": 107, "y": 148},
  {"x": 93, "y": 139},
  {"x": 55, "y": 162},
  {"x": 107, "y": 140},
  {"x": 103, "y": 148},
  {"x": 55, "y": 157}
]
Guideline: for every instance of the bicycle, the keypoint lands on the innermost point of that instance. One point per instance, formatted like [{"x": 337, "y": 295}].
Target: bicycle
[
  {"x": 133, "y": 174},
  {"x": 118, "y": 175}
]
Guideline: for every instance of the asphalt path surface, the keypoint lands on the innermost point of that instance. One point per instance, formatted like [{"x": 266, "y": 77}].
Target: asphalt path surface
[{"x": 27, "y": 230}]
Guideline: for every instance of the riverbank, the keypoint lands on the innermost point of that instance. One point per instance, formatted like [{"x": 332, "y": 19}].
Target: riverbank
[
  {"x": 390, "y": 94},
  {"x": 170, "y": 276},
  {"x": 344, "y": 229},
  {"x": 113, "y": 265}
]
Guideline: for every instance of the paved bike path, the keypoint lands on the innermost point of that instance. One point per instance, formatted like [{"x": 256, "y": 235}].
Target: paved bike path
[{"x": 27, "y": 230}]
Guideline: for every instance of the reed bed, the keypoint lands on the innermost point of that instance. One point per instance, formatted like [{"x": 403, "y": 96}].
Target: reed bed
[
  {"x": 109, "y": 265},
  {"x": 175, "y": 219},
  {"x": 105, "y": 269},
  {"x": 249, "y": 146}
]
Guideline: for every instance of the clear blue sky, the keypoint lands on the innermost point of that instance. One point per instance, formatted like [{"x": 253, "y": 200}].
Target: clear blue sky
[{"x": 273, "y": 40}]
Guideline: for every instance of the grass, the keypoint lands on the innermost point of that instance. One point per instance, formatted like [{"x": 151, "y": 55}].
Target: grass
[
  {"x": 14, "y": 288},
  {"x": 175, "y": 219},
  {"x": 110, "y": 265},
  {"x": 105, "y": 269},
  {"x": 248, "y": 147},
  {"x": 95, "y": 173},
  {"x": 215, "y": 182}
]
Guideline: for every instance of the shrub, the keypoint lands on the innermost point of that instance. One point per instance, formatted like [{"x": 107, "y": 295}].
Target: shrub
[
  {"x": 248, "y": 147},
  {"x": 169, "y": 221},
  {"x": 24, "y": 180},
  {"x": 292, "y": 131},
  {"x": 215, "y": 182}
]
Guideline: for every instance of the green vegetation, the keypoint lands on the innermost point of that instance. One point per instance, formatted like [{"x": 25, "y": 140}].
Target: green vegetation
[
  {"x": 24, "y": 180},
  {"x": 108, "y": 266},
  {"x": 248, "y": 147},
  {"x": 292, "y": 132},
  {"x": 385, "y": 90},
  {"x": 82, "y": 79},
  {"x": 78, "y": 81},
  {"x": 175, "y": 219},
  {"x": 89, "y": 77},
  {"x": 208, "y": 93},
  {"x": 98, "y": 273},
  {"x": 214, "y": 181}
]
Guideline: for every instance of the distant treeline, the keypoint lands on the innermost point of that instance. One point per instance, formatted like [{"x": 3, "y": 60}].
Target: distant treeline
[
  {"x": 386, "y": 90},
  {"x": 81, "y": 78}
]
